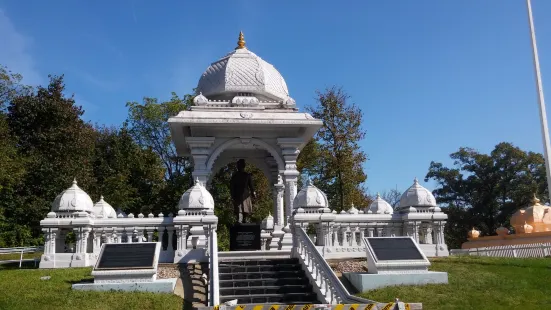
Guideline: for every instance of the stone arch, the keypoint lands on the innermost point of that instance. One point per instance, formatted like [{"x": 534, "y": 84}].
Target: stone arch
[{"x": 221, "y": 148}]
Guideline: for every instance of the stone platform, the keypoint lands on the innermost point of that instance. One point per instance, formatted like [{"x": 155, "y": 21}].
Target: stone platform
[
  {"x": 365, "y": 281},
  {"x": 157, "y": 286}
]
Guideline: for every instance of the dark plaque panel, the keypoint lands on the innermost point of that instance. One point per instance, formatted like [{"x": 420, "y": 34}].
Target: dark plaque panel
[
  {"x": 394, "y": 248},
  {"x": 245, "y": 237},
  {"x": 127, "y": 256}
]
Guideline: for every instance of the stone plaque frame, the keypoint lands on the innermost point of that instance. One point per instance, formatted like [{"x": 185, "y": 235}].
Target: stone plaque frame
[
  {"x": 377, "y": 266},
  {"x": 105, "y": 248}
]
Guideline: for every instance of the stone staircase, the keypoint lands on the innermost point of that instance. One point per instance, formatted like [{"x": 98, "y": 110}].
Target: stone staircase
[{"x": 275, "y": 281}]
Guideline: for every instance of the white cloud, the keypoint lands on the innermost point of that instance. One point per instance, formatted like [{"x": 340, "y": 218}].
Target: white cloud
[{"x": 14, "y": 51}]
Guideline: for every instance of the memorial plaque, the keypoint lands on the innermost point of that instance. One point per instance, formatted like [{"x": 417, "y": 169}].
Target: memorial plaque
[
  {"x": 127, "y": 256},
  {"x": 395, "y": 249},
  {"x": 245, "y": 237}
]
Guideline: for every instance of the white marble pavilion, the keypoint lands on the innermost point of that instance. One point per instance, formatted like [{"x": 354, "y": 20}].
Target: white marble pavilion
[{"x": 242, "y": 110}]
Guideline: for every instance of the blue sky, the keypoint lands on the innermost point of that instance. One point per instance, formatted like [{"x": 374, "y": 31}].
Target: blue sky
[{"x": 430, "y": 75}]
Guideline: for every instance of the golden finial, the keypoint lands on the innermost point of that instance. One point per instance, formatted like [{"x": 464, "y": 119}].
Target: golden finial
[{"x": 241, "y": 41}]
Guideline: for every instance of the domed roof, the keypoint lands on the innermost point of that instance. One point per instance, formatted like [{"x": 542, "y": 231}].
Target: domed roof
[
  {"x": 73, "y": 199},
  {"x": 537, "y": 215},
  {"x": 310, "y": 197},
  {"x": 417, "y": 196},
  {"x": 104, "y": 210},
  {"x": 197, "y": 197},
  {"x": 242, "y": 71},
  {"x": 380, "y": 206}
]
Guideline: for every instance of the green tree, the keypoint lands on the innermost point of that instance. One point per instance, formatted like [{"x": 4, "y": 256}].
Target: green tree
[
  {"x": 147, "y": 123},
  {"x": 57, "y": 146},
  {"x": 128, "y": 176},
  {"x": 335, "y": 160},
  {"x": 484, "y": 190},
  {"x": 10, "y": 86}
]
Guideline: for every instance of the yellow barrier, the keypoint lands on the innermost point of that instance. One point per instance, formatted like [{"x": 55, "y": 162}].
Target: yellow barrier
[{"x": 389, "y": 306}]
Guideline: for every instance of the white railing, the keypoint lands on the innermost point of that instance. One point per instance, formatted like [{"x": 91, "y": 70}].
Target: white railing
[
  {"x": 213, "y": 292},
  {"x": 520, "y": 250},
  {"x": 322, "y": 276},
  {"x": 21, "y": 251}
]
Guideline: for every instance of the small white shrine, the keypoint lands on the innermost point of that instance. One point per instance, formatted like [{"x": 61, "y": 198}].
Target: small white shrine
[{"x": 243, "y": 110}]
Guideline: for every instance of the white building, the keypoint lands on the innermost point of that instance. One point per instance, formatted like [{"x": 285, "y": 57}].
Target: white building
[{"x": 243, "y": 110}]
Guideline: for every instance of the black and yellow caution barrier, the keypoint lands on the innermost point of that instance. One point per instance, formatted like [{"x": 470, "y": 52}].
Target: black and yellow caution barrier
[{"x": 378, "y": 306}]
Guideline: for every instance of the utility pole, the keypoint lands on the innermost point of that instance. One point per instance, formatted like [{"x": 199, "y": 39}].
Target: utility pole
[{"x": 541, "y": 99}]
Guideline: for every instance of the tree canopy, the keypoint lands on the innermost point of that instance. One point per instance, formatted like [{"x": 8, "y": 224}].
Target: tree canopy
[
  {"x": 334, "y": 158},
  {"x": 484, "y": 190}
]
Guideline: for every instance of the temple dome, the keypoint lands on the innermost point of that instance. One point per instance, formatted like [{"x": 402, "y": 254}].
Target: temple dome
[
  {"x": 73, "y": 199},
  {"x": 537, "y": 216},
  {"x": 417, "y": 196},
  {"x": 197, "y": 197},
  {"x": 380, "y": 206},
  {"x": 242, "y": 72},
  {"x": 104, "y": 210},
  {"x": 310, "y": 197}
]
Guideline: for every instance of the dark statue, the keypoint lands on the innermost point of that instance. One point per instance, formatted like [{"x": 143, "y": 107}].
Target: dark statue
[{"x": 242, "y": 192}]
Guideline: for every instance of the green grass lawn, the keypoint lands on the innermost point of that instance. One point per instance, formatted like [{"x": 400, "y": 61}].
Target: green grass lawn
[
  {"x": 474, "y": 283},
  {"x": 23, "y": 289},
  {"x": 480, "y": 283}
]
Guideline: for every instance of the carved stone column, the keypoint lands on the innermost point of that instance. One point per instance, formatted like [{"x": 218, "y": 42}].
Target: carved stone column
[
  {"x": 370, "y": 231},
  {"x": 200, "y": 153},
  {"x": 49, "y": 240},
  {"x": 85, "y": 236},
  {"x": 441, "y": 226},
  {"x": 150, "y": 231},
  {"x": 96, "y": 241},
  {"x": 129, "y": 234},
  {"x": 170, "y": 243},
  {"x": 290, "y": 152},
  {"x": 78, "y": 237},
  {"x": 279, "y": 191},
  {"x": 290, "y": 193},
  {"x": 140, "y": 234}
]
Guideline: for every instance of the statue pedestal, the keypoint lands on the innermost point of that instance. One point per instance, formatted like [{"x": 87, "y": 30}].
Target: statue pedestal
[{"x": 245, "y": 237}]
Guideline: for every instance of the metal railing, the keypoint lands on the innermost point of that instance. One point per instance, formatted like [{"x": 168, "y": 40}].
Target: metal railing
[
  {"x": 21, "y": 251},
  {"x": 533, "y": 250}
]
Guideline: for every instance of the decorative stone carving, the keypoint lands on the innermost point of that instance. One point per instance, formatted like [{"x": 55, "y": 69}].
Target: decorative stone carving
[
  {"x": 73, "y": 199},
  {"x": 243, "y": 71},
  {"x": 200, "y": 100},
  {"x": 417, "y": 196},
  {"x": 196, "y": 197},
  {"x": 310, "y": 197},
  {"x": 380, "y": 206}
]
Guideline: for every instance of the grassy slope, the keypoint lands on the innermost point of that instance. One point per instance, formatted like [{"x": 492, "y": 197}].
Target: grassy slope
[
  {"x": 480, "y": 283},
  {"x": 23, "y": 289}
]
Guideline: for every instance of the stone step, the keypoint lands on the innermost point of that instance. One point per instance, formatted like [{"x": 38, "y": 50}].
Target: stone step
[
  {"x": 263, "y": 282},
  {"x": 262, "y": 290},
  {"x": 262, "y": 275},
  {"x": 262, "y": 262},
  {"x": 258, "y": 268},
  {"x": 290, "y": 298}
]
